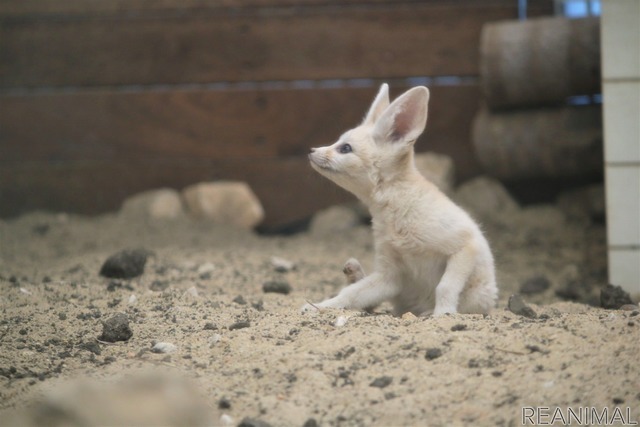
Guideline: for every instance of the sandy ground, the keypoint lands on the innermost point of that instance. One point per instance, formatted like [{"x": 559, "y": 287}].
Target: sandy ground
[{"x": 243, "y": 354}]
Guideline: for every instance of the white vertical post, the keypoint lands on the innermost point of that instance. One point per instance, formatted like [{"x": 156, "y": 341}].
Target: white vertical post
[{"x": 620, "y": 29}]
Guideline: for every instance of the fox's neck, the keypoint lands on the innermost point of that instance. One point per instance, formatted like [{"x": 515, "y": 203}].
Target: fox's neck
[{"x": 388, "y": 180}]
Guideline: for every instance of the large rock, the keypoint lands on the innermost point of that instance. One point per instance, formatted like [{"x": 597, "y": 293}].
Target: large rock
[
  {"x": 438, "y": 169},
  {"x": 160, "y": 204},
  {"x": 584, "y": 203},
  {"x": 486, "y": 198},
  {"x": 335, "y": 219},
  {"x": 224, "y": 202}
]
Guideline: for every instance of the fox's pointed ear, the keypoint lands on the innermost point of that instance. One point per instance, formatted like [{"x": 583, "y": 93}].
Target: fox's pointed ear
[
  {"x": 404, "y": 120},
  {"x": 378, "y": 106}
]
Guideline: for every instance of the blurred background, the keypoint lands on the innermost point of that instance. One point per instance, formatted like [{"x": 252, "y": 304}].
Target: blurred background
[{"x": 100, "y": 100}]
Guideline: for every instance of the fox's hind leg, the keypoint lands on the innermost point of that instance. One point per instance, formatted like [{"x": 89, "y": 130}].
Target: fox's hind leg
[{"x": 353, "y": 271}]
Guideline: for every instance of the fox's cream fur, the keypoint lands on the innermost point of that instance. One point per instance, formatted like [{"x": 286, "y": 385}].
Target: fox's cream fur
[{"x": 430, "y": 256}]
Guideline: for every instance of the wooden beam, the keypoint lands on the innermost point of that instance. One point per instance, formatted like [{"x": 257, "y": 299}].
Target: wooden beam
[
  {"x": 43, "y": 9},
  {"x": 87, "y": 152},
  {"x": 381, "y": 41},
  {"x": 212, "y": 125}
]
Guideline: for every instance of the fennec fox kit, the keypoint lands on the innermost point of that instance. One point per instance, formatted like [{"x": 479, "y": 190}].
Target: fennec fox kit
[{"x": 430, "y": 256}]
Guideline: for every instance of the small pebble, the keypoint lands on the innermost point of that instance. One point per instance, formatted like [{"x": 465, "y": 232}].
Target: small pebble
[
  {"x": 433, "y": 353},
  {"x": 206, "y": 268},
  {"x": 209, "y": 326},
  {"x": 311, "y": 422},
  {"x": 25, "y": 291},
  {"x": 517, "y": 306},
  {"x": 240, "y": 300},
  {"x": 116, "y": 328},
  {"x": 282, "y": 265},
  {"x": 226, "y": 420},
  {"x": 250, "y": 422},
  {"x": 629, "y": 307},
  {"x": 125, "y": 264},
  {"x": 132, "y": 299},
  {"x": 381, "y": 382},
  {"x": 459, "y": 327},
  {"x": 159, "y": 285},
  {"x": 192, "y": 292},
  {"x": 164, "y": 347},
  {"x": 239, "y": 325},
  {"x": 224, "y": 403},
  {"x": 409, "y": 316},
  {"x": 93, "y": 347},
  {"x": 277, "y": 287},
  {"x": 341, "y": 321}
]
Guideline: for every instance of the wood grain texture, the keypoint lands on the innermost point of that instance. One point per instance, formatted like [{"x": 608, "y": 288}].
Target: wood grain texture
[
  {"x": 381, "y": 41},
  {"x": 12, "y": 9},
  {"x": 87, "y": 152},
  {"x": 212, "y": 125},
  {"x": 288, "y": 188}
]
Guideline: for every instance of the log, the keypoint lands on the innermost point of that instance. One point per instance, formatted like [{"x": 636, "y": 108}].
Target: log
[
  {"x": 556, "y": 142},
  {"x": 540, "y": 61}
]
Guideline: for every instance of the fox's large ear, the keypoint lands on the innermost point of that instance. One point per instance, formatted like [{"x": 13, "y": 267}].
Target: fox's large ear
[
  {"x": 378, "y": 106},
  {"x": 404, "y": 120}
]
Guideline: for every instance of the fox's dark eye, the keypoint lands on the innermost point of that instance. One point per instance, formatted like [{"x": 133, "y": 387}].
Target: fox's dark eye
[{"x": 345, "y": 148}]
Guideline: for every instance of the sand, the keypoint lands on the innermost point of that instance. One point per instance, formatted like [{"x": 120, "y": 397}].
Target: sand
[{"x": 242, "y": 354}]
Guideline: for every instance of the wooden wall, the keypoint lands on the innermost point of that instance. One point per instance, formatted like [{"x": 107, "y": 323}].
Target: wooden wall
[{"x": 99, "y": 100}]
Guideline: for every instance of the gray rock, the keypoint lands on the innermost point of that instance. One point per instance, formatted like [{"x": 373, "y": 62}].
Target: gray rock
[
  {"x": 161, "y": 204},
  {"x": 438, "y": 169},
  {"x": 278, "y": 287},
  {"x": 614, "y": 297},
  {"x": 116, "y": 328},
  {"x": 224, "y": 202},
  {"x": 433, "y": 353},
  {"x": 126, "y": 264},
  {"x": 239, "y": 325},
  {"x": 517, "y": 306},
  {"x": 486, "y": 198},
  {"x": 381, "y": 382},
  {"x": 251, "y": 422}
]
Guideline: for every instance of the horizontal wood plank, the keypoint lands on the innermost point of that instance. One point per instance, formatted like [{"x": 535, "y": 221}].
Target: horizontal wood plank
[
  {"x": 288, "y": 188},
  {"x": 213, "y": 125},
  {"x": 389, "y": 40},
  {"x": 42, "y": 9}
]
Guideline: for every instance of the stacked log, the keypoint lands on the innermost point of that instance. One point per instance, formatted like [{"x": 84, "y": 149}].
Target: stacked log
[{"x": 529, "y": 69}]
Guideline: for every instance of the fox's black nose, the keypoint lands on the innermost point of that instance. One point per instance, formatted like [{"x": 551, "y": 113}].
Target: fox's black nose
[{"x": 312, "y": 150}]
